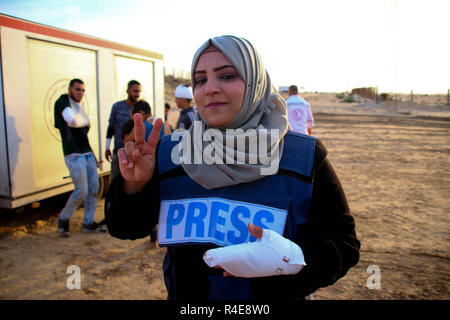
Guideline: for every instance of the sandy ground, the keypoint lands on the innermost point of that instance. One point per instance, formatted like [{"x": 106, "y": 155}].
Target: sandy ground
[{"x": 395, "y": 169}]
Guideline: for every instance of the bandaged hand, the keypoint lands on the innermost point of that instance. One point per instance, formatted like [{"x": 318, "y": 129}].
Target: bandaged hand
[{"x": 271, "y": 254}]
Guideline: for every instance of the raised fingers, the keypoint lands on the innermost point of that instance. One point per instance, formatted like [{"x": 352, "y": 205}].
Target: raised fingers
[
  {"x": 130, "y": 148},
  {"x": 154, "y": 135},
  {"x": 139, "y": 129},
  {"x": 123, "y": 162}
]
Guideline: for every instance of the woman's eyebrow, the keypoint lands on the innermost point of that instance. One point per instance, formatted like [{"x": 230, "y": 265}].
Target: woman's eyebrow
[
  {"x": 215, "y": 69},
  {"x": 223, "y": 67}
]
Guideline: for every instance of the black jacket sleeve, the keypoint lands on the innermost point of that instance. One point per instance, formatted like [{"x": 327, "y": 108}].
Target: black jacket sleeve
[
  {"x": 132, "y": 216},
  {"x": 328, "y": 239},
  {"x": 60, "y": 105}
]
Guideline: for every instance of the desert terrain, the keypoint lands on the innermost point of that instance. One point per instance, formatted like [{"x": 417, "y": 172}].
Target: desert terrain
[{"x": 393, "y": 159}]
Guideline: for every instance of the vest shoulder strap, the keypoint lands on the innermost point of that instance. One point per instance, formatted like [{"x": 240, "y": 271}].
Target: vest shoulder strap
[
  {"x": 298, "y": 153},
  {"x": 164, "y": 154}
]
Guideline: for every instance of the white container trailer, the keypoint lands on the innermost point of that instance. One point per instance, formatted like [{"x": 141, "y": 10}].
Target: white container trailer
[{"x": 37, "y": 63}]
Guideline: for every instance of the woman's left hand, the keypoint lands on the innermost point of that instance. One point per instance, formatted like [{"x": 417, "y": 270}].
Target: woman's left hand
[
  {"x": 255, "y": 231},
  {"x": 271, "y": 254}
]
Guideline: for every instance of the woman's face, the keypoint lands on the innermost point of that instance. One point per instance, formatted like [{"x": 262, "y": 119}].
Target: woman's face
[{"x": 219, "y": 89}]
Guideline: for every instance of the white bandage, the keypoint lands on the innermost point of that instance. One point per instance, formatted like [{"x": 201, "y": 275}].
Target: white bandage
[
  {"x": 75, "y": 116},
  {"x": 108, "y": 143},
  {"x": 270, "y": 255}
]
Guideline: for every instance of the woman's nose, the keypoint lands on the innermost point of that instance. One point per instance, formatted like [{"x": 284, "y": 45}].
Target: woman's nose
[{"x": 212, "y": 86}]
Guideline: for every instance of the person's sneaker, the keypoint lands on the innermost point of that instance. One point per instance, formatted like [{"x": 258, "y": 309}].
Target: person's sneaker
[
  {"x": 63, "y": 227},
  {"x": 101, "y": 226},
  {"x": 92, "y": 227}
]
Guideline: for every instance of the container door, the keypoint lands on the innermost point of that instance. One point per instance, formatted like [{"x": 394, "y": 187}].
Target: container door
[
  {"x": 127, "y": 69},
  {"x": 51, "y": 67}
]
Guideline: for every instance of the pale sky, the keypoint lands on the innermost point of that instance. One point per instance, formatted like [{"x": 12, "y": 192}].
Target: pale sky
[{"x": 320, "y": 45}]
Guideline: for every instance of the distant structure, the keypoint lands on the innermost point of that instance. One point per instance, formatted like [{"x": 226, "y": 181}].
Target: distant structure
[
  {"x": 283, "y": 89},
  {"x": 369, "y": 93},
  {"x": 177, "y": 73}
]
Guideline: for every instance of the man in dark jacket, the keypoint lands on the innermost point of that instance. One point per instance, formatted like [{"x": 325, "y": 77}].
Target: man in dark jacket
[
  {"x": 120, "y": 114},
  {"x": 73, "y": 124}
]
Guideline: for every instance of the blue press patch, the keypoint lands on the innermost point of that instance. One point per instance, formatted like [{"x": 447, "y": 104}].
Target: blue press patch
[{"x": 214, "y": 220}]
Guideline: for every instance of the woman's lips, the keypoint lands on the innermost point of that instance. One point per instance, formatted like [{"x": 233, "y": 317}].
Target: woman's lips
[{"x": 215, "y": 105}]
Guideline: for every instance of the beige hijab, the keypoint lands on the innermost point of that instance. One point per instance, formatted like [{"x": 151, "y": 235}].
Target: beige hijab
[{"x": 263, "y": 109}]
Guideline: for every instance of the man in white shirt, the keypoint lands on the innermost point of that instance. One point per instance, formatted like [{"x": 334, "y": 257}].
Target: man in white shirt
[{"x": 299, "y": 112}]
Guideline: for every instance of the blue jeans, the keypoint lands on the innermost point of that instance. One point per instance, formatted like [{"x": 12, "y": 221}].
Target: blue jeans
[{"x": 83, "y": 171}]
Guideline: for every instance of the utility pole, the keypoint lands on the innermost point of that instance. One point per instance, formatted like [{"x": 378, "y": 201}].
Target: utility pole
[
  {"x": 376, "y": 95},
  {"x": 394, "y": 41}
]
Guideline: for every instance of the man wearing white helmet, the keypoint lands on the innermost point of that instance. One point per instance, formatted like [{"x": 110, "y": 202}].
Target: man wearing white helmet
[{"x": 183, "y": 98}]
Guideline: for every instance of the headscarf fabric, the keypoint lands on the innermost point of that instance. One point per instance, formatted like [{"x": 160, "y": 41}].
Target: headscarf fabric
[{"x": 261, "y": 123}]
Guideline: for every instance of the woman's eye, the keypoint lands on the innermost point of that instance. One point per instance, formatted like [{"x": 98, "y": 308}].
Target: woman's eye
[
  {"x": 227, "y": 76},
  {"x": 200, "y": 81}
]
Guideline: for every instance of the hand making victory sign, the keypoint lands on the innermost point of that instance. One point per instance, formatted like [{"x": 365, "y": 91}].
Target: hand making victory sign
[{"x": 137, "y": 159}]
